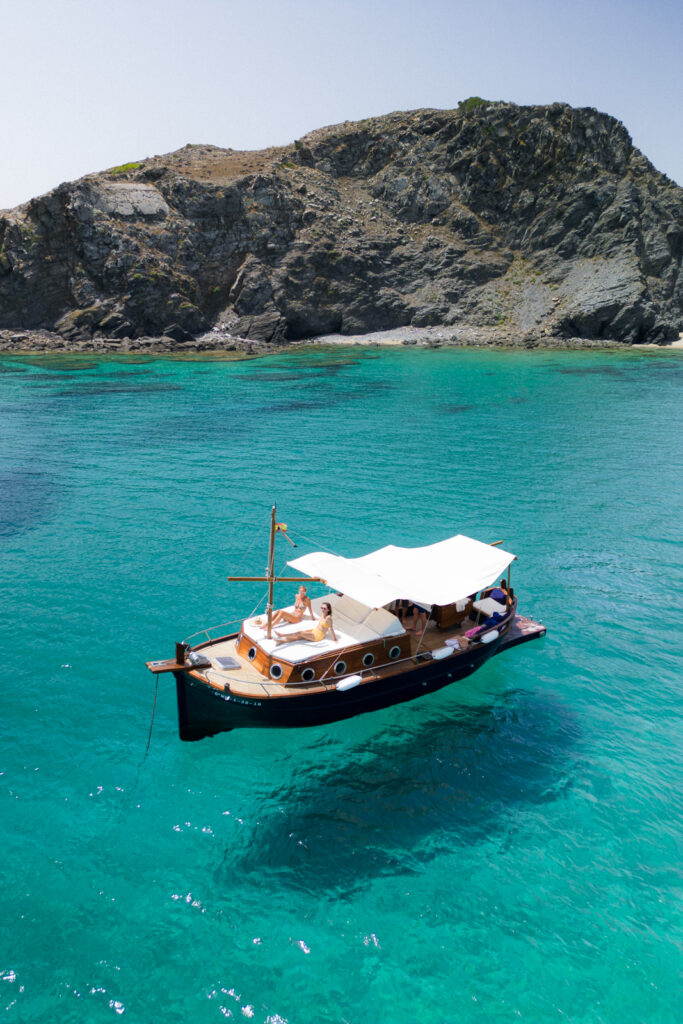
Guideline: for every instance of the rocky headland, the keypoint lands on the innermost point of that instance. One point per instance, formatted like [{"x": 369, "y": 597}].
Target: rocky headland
[{"x": 490, "y": 223}]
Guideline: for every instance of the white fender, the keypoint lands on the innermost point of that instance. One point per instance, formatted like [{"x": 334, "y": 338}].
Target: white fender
[
  {"x": 488, "y": 637},
  {"x": 349, "y": 682},
  {"x": 442, "y": 652}
]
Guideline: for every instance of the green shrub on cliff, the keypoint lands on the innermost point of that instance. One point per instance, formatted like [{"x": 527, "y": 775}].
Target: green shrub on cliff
[
  {"x": 472, "y": 103},
  {"x": 124, "y": 168}
]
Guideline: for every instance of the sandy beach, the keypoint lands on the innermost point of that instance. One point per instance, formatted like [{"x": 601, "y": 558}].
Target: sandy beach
[
  {"x": 220, "y": 341},
  {"x": 479, "y": 337}
]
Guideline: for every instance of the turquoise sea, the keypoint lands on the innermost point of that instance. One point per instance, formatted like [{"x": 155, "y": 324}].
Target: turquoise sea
[{"x": 506, "y": 850}]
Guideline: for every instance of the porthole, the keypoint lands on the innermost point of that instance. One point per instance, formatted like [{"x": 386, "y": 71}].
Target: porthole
[
  {"x": 368, "y": 660},
  {"x": 340, "y": 668},
  {"x": 251, "y": 653},
  {"x": 275, "y": 671},
  {"x": 308, "y": 674},
  {"x": 394, "y": 652}
]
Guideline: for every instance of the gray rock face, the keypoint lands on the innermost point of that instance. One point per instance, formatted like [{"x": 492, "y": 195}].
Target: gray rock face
[
  {"x": 542, "y": 219},
  {"x": 126, "y": 199}
]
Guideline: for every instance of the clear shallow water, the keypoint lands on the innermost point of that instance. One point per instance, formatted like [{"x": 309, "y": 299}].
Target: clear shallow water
[{"x": 506, "y": 850}]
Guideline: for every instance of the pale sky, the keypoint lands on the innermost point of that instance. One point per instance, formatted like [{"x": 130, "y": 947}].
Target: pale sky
[{"x": 89, "y": 84}]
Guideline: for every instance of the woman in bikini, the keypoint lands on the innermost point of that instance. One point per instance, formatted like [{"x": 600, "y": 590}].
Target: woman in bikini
[
  {"x": 319, "y": 631},
  {"x": 302, "y": 603}
]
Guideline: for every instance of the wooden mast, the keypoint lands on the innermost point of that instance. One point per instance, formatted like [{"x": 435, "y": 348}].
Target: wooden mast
[
  {"x": 271, "y": 573},
  {"x": 269, "y": 578}
]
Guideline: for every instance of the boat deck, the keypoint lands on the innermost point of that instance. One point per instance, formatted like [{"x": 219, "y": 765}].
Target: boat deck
[{"x": 247, "y": 682}]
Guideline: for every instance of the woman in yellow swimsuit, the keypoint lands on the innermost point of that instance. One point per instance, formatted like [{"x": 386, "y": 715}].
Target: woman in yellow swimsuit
[
  {"x": 302, "y": 604},
  {"x": 319, "y": 631}
]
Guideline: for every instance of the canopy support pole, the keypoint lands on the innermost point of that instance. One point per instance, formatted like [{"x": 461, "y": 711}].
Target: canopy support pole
[{"x": 422, "y": 635}]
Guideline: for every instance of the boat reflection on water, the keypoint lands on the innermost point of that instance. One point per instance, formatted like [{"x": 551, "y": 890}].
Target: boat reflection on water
[{"x": 427, "y": 784}]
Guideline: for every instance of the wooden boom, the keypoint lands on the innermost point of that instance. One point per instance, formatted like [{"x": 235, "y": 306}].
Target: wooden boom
[{"x": 278, "y": 579}]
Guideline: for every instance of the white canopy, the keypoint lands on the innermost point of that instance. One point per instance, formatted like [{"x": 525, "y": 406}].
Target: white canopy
[{"x": 437, "y": 574}]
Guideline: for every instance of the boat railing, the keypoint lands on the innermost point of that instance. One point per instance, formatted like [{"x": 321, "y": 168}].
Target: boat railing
[
  {"x": 330, "y": 682},
  {"x": 502, "y": 626},
  {"x": 211, "y": 633}
]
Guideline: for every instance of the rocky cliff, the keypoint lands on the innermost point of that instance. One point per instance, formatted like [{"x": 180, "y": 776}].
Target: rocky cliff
[{"x": 534, "y": 219}]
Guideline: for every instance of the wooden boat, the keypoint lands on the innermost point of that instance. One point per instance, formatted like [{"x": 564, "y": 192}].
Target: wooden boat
[{"x": 240, "y": 674}]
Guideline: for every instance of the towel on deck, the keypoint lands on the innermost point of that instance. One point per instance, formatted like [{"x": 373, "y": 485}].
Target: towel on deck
[{"x": 493, "y": 620}]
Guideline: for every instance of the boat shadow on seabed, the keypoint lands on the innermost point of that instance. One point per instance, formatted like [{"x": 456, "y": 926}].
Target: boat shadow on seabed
[{"x": 404, "y": 799}]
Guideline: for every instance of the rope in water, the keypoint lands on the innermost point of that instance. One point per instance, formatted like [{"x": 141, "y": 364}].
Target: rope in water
[
  {"x": 151, "y": 723},
  {"x": 156, "y": 686}
]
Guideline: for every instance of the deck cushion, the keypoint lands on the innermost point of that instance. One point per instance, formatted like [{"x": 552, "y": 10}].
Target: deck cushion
[
  {"x": 488, "y": 606},
  {"x": 384, "y": 623},
  {"x": 352, "y": 610}
]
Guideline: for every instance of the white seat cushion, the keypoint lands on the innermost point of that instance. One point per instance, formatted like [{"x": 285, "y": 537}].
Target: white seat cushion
[
  {"x": 361, "y": 634},
  {"x": 488, "y": 606},
  {"x": 353, "y": 623},
  {"x": 296, "y": 651},
  {"x": 352, "y": 610},
  {"x": 301, "y": 650},
  {"x": 384, "y": 623}
]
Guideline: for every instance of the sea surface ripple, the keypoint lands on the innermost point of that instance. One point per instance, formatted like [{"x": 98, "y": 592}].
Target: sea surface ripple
[{"x": 508, "y": 849}]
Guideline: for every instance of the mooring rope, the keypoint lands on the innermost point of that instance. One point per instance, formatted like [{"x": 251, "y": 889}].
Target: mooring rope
[{"x": 151, "y": 722}]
